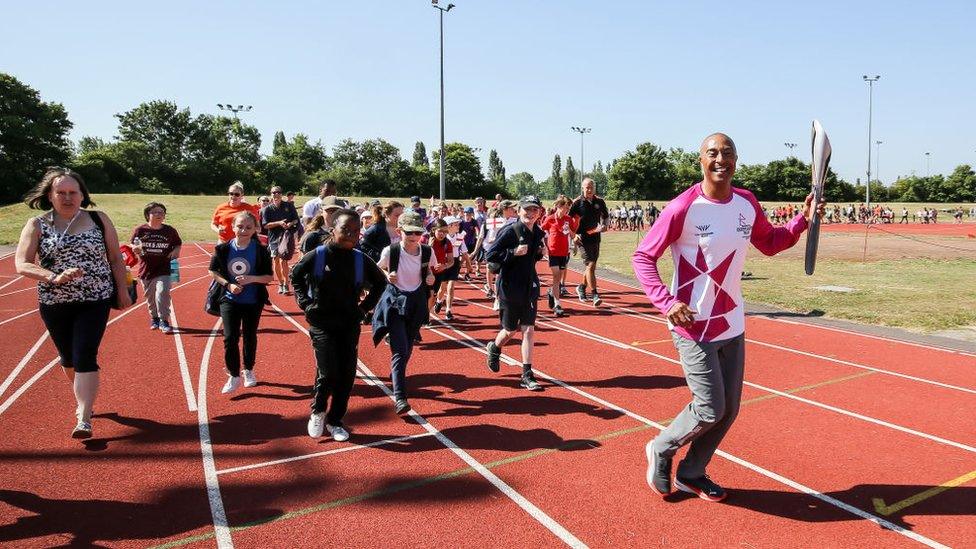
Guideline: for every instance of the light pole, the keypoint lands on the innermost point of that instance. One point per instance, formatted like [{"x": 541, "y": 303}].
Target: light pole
[
  {"x": 233, "y": 109},
  {"x": 580, "y": 130},
  {"x": 790, "y": 146},
  {"x": 928, "y": 165},
  {"x": 870, "y": 80},
  {"x": 877, "y": 159},
  {"x": 442, "y": 12}
]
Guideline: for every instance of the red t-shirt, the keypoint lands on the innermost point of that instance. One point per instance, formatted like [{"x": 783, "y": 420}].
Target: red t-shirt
[
  {"x": 558, "y": 231},
  {"x": 224, "y": 215},
  {"x": 157, "y": 244},
  {"x": 441, "y": 249}
]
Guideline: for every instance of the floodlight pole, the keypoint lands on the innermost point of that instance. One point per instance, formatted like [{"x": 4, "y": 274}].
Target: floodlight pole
[
  {"x": 877, "y": 159},
  {"x": 234, "y": 109},
  {"x": 581, "y": 130},
  {"x": 443, "y": 184},
  {"x": 790, "y": 146},
  {"x": 870, "y": 80}
]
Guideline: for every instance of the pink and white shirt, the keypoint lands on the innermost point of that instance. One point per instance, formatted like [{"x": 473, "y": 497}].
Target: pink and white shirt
[{"x": 708, "y": 242}]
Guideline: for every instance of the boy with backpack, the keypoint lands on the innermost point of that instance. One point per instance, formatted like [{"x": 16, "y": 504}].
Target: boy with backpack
[
  {"x": 513, "y": 255},
  {"x": 402, "y": 308},
  {"x": 327, "y": 284}
]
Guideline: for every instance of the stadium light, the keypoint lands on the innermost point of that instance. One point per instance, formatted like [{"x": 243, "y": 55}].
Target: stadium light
[
  {"x": 870, "y": 80},
  {"x": 580, "y": 130}
]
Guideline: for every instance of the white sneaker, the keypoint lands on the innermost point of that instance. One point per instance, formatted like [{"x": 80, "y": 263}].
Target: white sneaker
[
  {"x": 233, "y": 383},
  {"x": 339, "y": 434},
  {"x": 316, "y": 424},
  {"x": 496, "y": 306},
  {"x": 84, "y": 430},
  {"x": 249, "y": 379}
]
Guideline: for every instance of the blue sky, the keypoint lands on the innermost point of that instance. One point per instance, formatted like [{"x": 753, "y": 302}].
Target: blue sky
[{"x": 519, "y": 74}]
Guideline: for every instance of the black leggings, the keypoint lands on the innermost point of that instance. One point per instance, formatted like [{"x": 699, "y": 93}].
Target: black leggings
[
  {"x": 336, "y": 352},
  {"x": 240, "y": 321},
  {"x": 77, "y": 330}
]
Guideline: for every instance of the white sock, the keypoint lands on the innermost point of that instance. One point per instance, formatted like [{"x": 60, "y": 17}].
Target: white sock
[{"x": 86, "y": 388}]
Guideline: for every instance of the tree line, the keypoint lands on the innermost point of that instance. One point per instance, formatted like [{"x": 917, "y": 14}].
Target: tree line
[{"x": 161, "y": 148}]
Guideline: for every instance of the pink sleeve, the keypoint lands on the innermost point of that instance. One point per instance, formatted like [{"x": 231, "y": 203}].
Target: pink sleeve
[
  {"x": 665, "y": 231},
  {"x": 771, "y": 240}
]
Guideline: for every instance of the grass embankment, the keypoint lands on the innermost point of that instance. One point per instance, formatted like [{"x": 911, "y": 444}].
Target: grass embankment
[{"x": 919, "y": 294}]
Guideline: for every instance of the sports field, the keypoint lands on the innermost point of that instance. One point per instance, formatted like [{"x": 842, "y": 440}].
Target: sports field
[{"x": 844, "y": 440}]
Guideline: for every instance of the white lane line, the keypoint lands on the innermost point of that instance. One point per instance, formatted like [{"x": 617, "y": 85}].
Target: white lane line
[
  {"x": 23, "y": 388},
  {"x": 29, "y": 288},
  {"x": 11, "y": 282},
  {"x": 23, "y": 362},
  {"x": 191, "y": 403},
  {"x": 643, "y": 316},
  {"x": 6, "y": 255},
  {"x": 221, "y": 528},
  {"x": 21, "y": 315},
  {"x": 538, "y": 514},
  {"x": 819, "y": 327},
  {"x": 476, "y": 345},
  {"x": 562, "y": 326},
  {"x": 320, "y": 454}
]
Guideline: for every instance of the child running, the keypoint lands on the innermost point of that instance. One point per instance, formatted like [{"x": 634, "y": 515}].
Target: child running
[
  {"x": 242, "y": 265},
  {"x": 497, "y": 218},
  {"x": 560, "y": 228},
  {"x": 516, "y": 249},
  {"x": 327, "y": 284},
  {"x": 445, "y": 270},
  {"x": 402, "y": 308},
  {"x": 157, "y": 245}
]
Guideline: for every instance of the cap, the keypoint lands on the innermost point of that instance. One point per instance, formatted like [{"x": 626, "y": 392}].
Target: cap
[
  {"x": 530, "y": 200},
  {"x": 451, "y": 219},
  {"x": 332, "y": 203},
  {"x": 365, "y": 213},
  {"x": 410, "y": 221},
  {"x": 469, "y": 210},
  {"x": 507, "y": 204},
  {"x": 414, "y": 199}
]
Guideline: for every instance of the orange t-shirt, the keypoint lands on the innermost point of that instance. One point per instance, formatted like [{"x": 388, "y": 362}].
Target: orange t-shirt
[{"x": 223, "y": 217}]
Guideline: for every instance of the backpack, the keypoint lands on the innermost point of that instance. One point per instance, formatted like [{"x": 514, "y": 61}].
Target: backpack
[
  {"x": 318, "y": 273},
  {"x": 425, "y": 253}
]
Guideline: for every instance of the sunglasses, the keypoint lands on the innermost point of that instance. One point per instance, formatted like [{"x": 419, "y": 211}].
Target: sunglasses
[
  {"x": 233, "y": 194},
  {"x": 157, "y": 212},
  {"x": 275, "y": 192},
  {"x": 413, "y": 233}
]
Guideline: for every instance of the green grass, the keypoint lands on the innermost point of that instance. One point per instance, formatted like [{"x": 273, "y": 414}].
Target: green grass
[{"x": 917, "y": 294}]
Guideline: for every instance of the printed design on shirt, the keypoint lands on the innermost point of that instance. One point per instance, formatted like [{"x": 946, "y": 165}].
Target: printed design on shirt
[
  {"x": 713, "y": 322},
  {"x": 239, "y": 266},
  {"x": 744, "y": 227},
  {"x": 703, "y": 231}
]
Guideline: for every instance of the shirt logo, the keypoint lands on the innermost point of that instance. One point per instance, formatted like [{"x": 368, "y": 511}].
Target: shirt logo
[
  {"x": 703, "y": 231},
  {"x": 744, "y": 227}
]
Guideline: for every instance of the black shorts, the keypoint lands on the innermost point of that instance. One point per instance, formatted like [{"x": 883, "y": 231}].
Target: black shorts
[
  {"x": 559, "y": 261},
  {"x": 514, "y": 315},
  {"x": 590, "y": 251}
]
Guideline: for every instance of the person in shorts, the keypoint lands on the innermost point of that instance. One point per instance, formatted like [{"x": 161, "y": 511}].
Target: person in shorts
[
  {"x": 560, "y": 228},
  {"x": 515, "y": 251},
  {"x": 280, "y": 219},
  {"x": 591, "y": 212}
]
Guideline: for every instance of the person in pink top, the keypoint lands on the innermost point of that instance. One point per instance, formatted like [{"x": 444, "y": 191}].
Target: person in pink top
[{"x": 708, "y": 229}]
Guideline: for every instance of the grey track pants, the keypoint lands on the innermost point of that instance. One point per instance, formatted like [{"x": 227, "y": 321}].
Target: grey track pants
[
  {"x": 157, "y": 296},
  {"x": 714, "y": 372}
]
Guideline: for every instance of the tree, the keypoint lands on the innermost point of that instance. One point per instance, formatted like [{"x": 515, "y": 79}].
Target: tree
[
  {"x": 420, "y": 159},
  {"x": 960, "y": 186},
  {"x": 686, "y": 168},
  {"x": 571, "y": 177},
  {"x": 555, "y": 185},
  {"x": 462, "y": 174},
  {"x": 521, "y": 184},
  {"x": 33, "y": 135},
  {"x": 644, "y": 173},
  {"x": 90, "y": 144},
  {"x": 164, "y": 128},
  {"x": 496, "y": 170},
  {"x": 279, "y": 143},
  {"x": 367, "y": 168},
  {"x": 599, "y": 178}
]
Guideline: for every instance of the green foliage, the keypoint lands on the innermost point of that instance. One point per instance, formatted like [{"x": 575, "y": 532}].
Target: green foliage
[
  {"x": 571, "y": 177},
  {"x": 600, "y": 179},
  {"x": 462, "y": 174},
  {"x": 555, "y": 185},
  {"x": 641, "y": 174},
  {"x": 521, "y": 184},
  {"x": 496, "y": 170},
  {"x": 420, "y": 159},
  {"x": 33, "y": 136}
]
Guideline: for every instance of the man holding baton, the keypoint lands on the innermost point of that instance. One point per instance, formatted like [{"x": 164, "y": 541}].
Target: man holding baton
[{"x": 708, "y": 228}]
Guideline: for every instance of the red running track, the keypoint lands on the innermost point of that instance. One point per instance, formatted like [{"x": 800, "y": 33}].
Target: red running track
[{"x": 837, "y": 430}]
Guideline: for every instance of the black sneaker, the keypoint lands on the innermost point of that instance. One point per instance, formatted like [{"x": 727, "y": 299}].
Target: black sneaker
[
  {"x": 563, "y": 292},
  {"x": 401, "y": 406},
  {"x": 596, "y": 300},
  {"x": 449, "y": 316},
  {"x": 438, "y": 305},
  {"x": 494, "y": 356},
  {"x": 552, "y": 299},
  {"x": 558, "y": 311},
  {"x": 658, "y": 471},
  {"x": 581, "y": 292},
  {"x": 702, "y": 487},
  {"x": 528, "y": 381}
]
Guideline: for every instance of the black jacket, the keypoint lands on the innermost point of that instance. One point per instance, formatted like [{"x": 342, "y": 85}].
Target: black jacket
[
  {"x": 333, "y": 302},
  {"x": 218, "y": 264},
  {"x": 517, "y": 281},
  {"x": 375, "y": 239}
]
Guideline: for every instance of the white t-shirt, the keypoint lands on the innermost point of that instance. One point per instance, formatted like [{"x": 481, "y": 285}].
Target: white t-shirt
[
  {"x": 311, "y": 208},
  {"x": 457, "y": 240},
  {"x": 408, "y": 271},
  {"x": 493, "y": 225}
]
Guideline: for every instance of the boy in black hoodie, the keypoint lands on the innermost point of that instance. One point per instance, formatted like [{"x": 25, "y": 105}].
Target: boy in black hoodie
[{"x": 327, "y": 283}]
